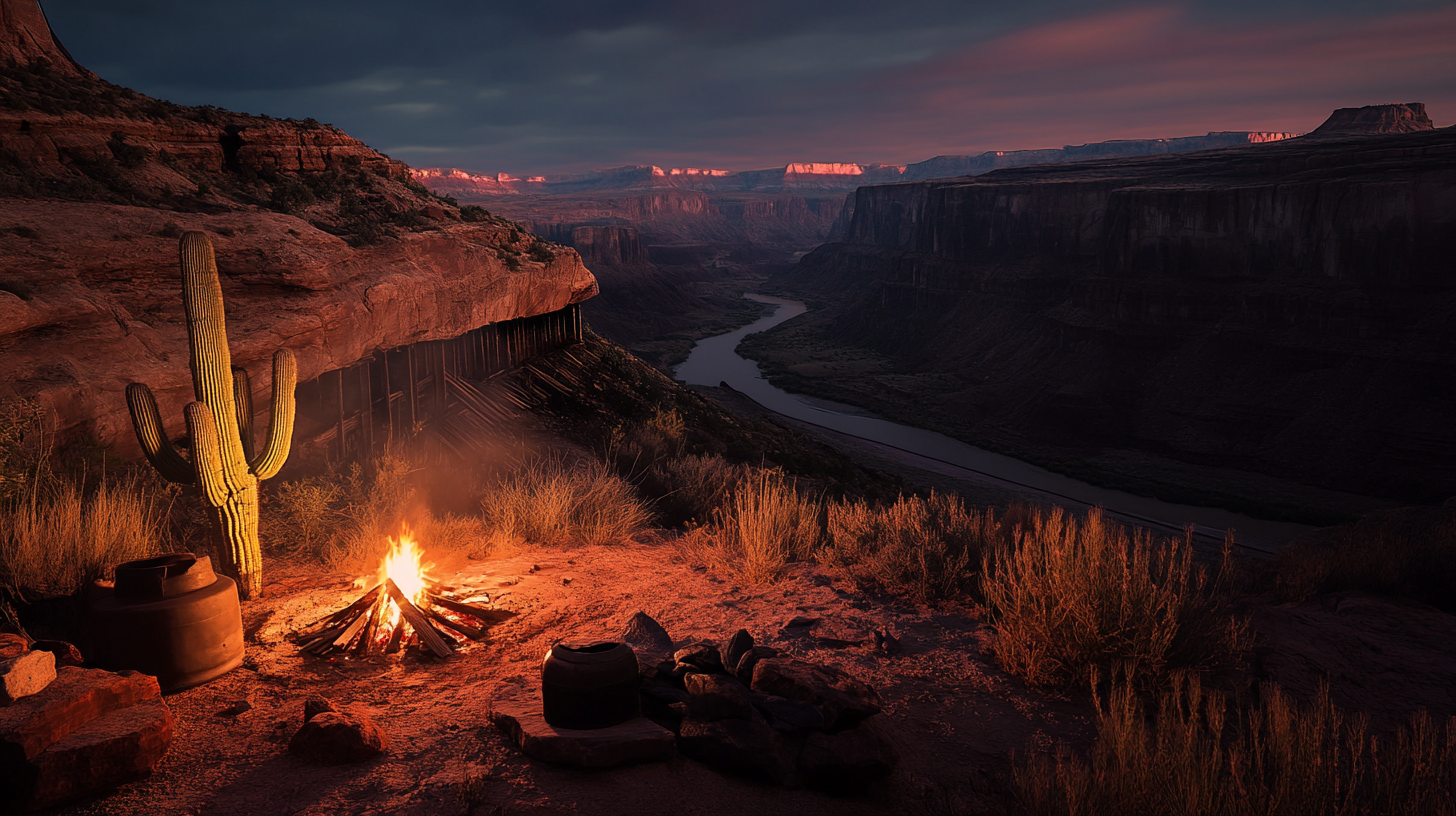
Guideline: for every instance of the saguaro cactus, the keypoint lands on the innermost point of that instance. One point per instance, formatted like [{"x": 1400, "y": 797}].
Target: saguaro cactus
[{"x": 220, "y": 423}]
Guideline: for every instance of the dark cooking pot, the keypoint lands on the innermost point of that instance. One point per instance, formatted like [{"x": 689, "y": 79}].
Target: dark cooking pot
[
  {"x": 171, "y": 617},
  {"x": 589, "y": 685}
]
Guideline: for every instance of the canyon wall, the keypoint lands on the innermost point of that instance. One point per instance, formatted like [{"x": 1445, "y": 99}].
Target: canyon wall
[
  {"x": 1282, "y": 308},
  {"x": 324, "y": 246}
]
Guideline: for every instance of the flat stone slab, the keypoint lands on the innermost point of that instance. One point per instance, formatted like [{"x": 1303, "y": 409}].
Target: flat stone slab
[
  {"x": 111, "y": 750},
  {"x": 639, "y": 740},
  {"x": 77, "y": 696}
]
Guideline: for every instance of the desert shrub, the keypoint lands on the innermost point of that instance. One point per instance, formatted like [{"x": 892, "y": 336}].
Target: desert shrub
[
  {"x": 170, "y": 230},
  {"x": 766, "y": 525},
  {"x": 554, "y": 502},
  {"x": 926, "y": 549},
  {"x": 1277, "y": 757},
  {"x": 687, "y": 489},
  {"x": 540, "y": 252},
  {"x": 25, "y": 443},
  {"x": 512, "y": 262},
  {"x": 1408, "y": 553},
  {"x": 1067, "y": 595},
  {"x": 474, "y": 213},
  {"x": 54, "y": 538}
]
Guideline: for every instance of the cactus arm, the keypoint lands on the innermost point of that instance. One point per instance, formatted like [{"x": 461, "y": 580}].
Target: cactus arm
[
  {"x": 280, "y": 427},
  {"x": 212, "y": 374},
  {"x": 207, "y": 453},
  {"x": 243, "y": 397},
  {"x": 147, "y": 421}
]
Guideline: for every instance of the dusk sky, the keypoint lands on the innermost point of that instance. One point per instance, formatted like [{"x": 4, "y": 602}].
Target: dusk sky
[{"x": 552, "y": 87}]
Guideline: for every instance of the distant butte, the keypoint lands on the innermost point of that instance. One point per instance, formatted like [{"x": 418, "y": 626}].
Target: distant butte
[{"x": 1408, "y": 117}]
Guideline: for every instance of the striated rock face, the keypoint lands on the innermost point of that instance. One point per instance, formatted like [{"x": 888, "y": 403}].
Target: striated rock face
[
  {"x": 610, "y": 245},
  {"x": 1407, "y": 118},
  {"x": 90, "y": 299},
  {"x": 1283, "y": 308},
  {"x": 325, "y": 246}
]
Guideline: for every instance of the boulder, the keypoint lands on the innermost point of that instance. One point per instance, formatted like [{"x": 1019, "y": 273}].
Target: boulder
[
  {"x": 637, "y": 740},
  {"x": 25, "y": 675},
  {"x": 739, "y": 747},
  {"x": 843, "y": 699},
  {"x": 698, "y": 657},
  {"x": 12, "y": 645},
  {"x": 84, "y": 734},
  {"x": 743, "y": 670},
  {"x": 714, "y": 697},
  {"x": 789, "y": 715},
  {"x": 66, "y": 653},
  {"x": 316, "y": 704},
  {"x": 734, "y": 648},
  {"x": 338, "y": 738},
  {"x": 845, "y": 762},
  {"x": 648, "y": 640}
]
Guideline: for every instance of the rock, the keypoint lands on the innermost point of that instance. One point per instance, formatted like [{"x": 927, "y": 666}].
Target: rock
[
  {"x": 84, "y": 734},
  {"x": 237, "y": 708},
  {"x": 843, "y": 699},
  {"x": 662, "y": 702},
  {"x": 25, "y": 675},
  {"x": 717, "y": 697},
  {"x": 739, "y": 747},
  {"x": 648, "y": 640},
  {"x": 800, "y": 621},
  {"x": 116, "y": 748},
  {"x": 744, "y": 670},
  {"x": 1409, "y": 117},
  {"x": 701, "y": 656},
  {"x": 886, "y": 643},
  {"x": 12, "y": 645},
  {"x": 845, "y": 762},
  {"x": 1382, "y": 657},
  {"x": 734, "y": 648},
  {"x": 316, "y": 704},
  {"x": 637, "y": 740},
  {"x": 338, "y": 737},
  {"x": 66, "y": 653},
  {"x": 789, "y": 715}
]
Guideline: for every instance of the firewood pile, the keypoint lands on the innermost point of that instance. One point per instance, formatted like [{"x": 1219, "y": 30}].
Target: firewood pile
[{"x": 385, "y": 621}]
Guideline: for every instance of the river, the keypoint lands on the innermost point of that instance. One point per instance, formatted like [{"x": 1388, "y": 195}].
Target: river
[{"x": 715, "y": 360}]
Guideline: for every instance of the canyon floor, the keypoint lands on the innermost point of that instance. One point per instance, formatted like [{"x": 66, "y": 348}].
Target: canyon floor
[
  {"x": 950, "y": 713},
  {"x": 956, "y": 720}
]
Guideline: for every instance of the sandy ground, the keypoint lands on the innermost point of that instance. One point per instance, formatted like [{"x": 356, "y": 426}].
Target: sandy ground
[{"x": 953, "y": 716}]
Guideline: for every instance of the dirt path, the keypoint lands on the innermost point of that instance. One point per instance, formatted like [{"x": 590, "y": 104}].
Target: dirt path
[{"x": 950, "y": 713}]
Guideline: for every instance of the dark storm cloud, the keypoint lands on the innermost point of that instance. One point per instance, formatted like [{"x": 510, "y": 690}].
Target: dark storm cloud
[{"x": 546, "y": 87}]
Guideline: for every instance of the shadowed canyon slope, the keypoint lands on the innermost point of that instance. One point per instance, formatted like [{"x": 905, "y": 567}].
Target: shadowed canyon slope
[
  {"x": 1281, "y": 308},
  {"x": 325, "y": 246}
]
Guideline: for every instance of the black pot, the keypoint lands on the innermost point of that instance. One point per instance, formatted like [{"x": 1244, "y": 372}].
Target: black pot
[
  {"x": 170, "y": 617},
  {"x": 589, "y": 685}
]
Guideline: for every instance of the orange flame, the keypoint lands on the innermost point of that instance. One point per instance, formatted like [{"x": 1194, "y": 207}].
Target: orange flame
[{"x": 402, "y": 564}]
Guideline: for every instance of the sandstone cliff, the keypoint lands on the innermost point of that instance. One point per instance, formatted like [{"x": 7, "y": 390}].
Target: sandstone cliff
[
  {"x": 325, "y": 246},
  {"x": 1283, "y": 308}
]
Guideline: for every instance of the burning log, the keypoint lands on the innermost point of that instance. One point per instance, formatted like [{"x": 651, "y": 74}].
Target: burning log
[{"x": 387, "y": 619}]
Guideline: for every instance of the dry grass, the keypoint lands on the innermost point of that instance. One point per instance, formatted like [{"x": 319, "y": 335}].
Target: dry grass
[
  {"x": 1068, "y": 594},
  {"x": 1278, "y": 758},
  {"x": 690, "y": 489},
  {"x": 54, "y": 538},
  {"x": 924, "y": 549},
  {"x": 553, "y": 502},
  {"x": 767, "y": 524}
]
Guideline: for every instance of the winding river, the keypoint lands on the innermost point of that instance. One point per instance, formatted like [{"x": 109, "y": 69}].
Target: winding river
[{"x": 715, "y": 360}]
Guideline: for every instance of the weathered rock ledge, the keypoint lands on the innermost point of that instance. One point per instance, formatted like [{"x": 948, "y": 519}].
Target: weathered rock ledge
[{"x": 90, "y": 299}]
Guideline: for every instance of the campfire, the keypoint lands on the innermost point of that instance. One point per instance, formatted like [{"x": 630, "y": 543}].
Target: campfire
[{"x": 405, "y": 609}]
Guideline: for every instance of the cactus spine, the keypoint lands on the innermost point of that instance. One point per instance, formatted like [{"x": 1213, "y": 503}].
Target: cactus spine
[{"x": 220, "y": 422}]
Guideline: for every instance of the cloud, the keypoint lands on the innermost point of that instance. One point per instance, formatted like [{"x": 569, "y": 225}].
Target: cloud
[{"x": 569, "y": 85}]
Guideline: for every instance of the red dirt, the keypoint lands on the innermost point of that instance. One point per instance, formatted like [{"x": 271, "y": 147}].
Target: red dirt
[{"x": 949, "y": 712}]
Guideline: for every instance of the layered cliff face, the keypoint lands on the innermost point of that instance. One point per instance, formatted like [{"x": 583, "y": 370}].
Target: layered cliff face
[
  {"x": 325, "y": 246},
  {"x": 1283, "y": 308}
]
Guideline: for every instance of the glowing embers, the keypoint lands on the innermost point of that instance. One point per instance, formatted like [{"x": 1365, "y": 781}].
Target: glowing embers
[{"x": 404, "y": 610}]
